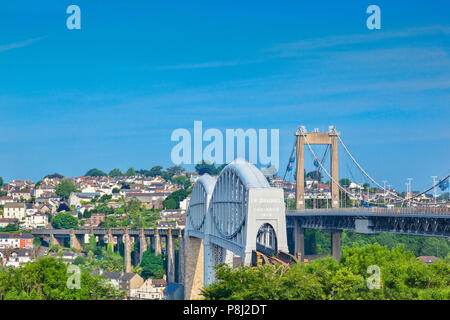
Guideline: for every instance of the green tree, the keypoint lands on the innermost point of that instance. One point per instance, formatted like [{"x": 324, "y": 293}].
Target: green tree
[
  {"x": 64, "y": 221},
  {"x": 115, "y": 173},
  {"x": 1, "y": 181},
  {"x": 170, "y": 204},
  {"x": 205, "y": 167},
  {"x": 95, "y": 173},
  {"x": 152, "y": 265},
  {"x": 110, "y": 222},
  {"x": 183, "y": 181},
  {"x": 130, "y": 172},
  {"x": 402, "y": 277},
  {"x": 345, "y": 182},
  {"x": 155, "y": 171},
  {"x": 315, "y": 175},
  {"x": 11, "y": 227},
  {"x": 174, "y": 171},
  {"x": 65, "y": 188},
  {"x": 54, "y": 175},
  {"x": 46, "y": 279}
]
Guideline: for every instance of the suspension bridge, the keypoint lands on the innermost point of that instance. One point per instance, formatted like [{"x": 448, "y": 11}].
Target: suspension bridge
[{"x": 237, "y": 216}]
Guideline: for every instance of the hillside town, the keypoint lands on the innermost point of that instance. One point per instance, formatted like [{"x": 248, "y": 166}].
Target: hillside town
[
  {"x": 135, "y": 199},
  {"x": 92, "y": 201}
]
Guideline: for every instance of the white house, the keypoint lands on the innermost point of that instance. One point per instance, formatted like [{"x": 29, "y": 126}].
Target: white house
[
  {"x": 14, "y": 210},
  {"x": 151, "y": 289}
]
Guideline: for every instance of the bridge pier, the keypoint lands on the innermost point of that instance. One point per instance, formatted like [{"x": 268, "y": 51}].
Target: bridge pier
[
  {"x": 170, "y": 257},
  {"x": 326, "y": 138},
  {"x": 110, "y": 239},
  {"x": 142, "y": 244},
  {"x": 193, "y": 266},
  {"x": 157, "y": 243},
  {"x": 299, "y": 240},
  {"x": 127, "y": 251},
  {"x": 55, "y": 241},
  {"x": 74, "y": 242},
  {"x": 336, "y": 244},
  {"x": 181, "y": 257}
]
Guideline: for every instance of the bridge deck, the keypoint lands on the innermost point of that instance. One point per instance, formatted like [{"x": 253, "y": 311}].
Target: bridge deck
[
  {"x": 101, "y": 231},
  {"x": 388, "y": 212}
]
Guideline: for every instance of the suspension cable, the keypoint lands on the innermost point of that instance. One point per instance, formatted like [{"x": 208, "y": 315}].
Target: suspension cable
[
  {"x": 289, "y": 161},
  {"x": 386, "y": 190},
  {"x": 329, "y": 176}
]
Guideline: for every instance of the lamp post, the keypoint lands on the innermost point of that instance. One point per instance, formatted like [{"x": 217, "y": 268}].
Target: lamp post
[{"x": 434, "y": 188}]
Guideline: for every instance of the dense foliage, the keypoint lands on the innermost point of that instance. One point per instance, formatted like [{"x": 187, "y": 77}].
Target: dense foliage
[
  {"x": 65, "y": 188},
  {"x": 209, "y": 168},
  {"x": 319, "y": 242},
  {"x": 46, "y": 279},
  {"x": 402, "y": 276},
  {"x": 95, "y": 173},
  {"x": 53, "y": 175},
  {"x": 64, "y": 221},
  {"x": 173, "y": 200},
  {"x": 115, "y": 173},
  {"x": 152, "y": 266}
]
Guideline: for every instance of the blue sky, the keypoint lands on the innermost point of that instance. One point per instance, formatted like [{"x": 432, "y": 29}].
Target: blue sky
[{"x": 110, "y": 95}]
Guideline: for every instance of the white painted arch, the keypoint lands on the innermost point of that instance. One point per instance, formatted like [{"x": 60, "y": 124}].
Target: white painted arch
[{"x": 227, "y": 213}]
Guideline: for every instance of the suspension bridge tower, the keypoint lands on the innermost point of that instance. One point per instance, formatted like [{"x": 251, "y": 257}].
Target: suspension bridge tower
[{"x": 310, "y": 138}]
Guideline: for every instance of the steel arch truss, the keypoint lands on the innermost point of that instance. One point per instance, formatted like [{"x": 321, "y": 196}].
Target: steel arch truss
[{"x": 228, "y": 212}]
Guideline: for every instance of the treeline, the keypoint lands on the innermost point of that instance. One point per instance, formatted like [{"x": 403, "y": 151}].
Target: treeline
[
  {"x": 318, "y": 242},
  {"x": 372, "y": 272},
  {"x": 47, "y": 278}
]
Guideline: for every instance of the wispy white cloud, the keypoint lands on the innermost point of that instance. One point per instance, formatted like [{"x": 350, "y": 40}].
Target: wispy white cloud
[
  {"x": 10, "y": 46},
  {"x": 295, "y": 48},
  {"x": 211, "y": 64}
]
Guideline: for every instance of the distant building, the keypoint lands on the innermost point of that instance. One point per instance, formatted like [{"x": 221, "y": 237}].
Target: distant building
[
  {"x": 20, "y": 194},
  {"x": 15, "y": 258},
  {"x": 128, "y": 282},
  {"x": 15, "y": 240},
  {"x": 428, "y": 259},
  {"x": 75, "y": 198},
  {"x": 15, "y": 210},
  {"x": 151, "y": 289},
  {"x": 38, "y": 220},
  {"x": 96, "y": 219},
  {"x": 4, "y": 222},
  {"x": 4, "y": 200},
  {"x": 165, "y": 224}
]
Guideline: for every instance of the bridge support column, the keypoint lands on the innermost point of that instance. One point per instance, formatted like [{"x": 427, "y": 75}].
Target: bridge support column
[
  {"x": 336, "y": 244},
  {"x": 170, "y": 257},
  {"x": 74, "y": 242},
  {"x": 54, "y": 240},
  {"x": 142, "y": 244},
  {"x": 299, "y": 240},
  {"x": 193, "y": 267},
  {"x": 110, "y": 239},
  {"x": 181, "y": 257},
  {"x": 330, "y": 138},
  {"x": 334, "y": 172},
  {"x": 157, "y": 243},
  {"x": 127, "y": 251}
]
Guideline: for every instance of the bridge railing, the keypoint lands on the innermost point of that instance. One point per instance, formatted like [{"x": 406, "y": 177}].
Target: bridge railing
[{"x": 376, "y": 210}]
